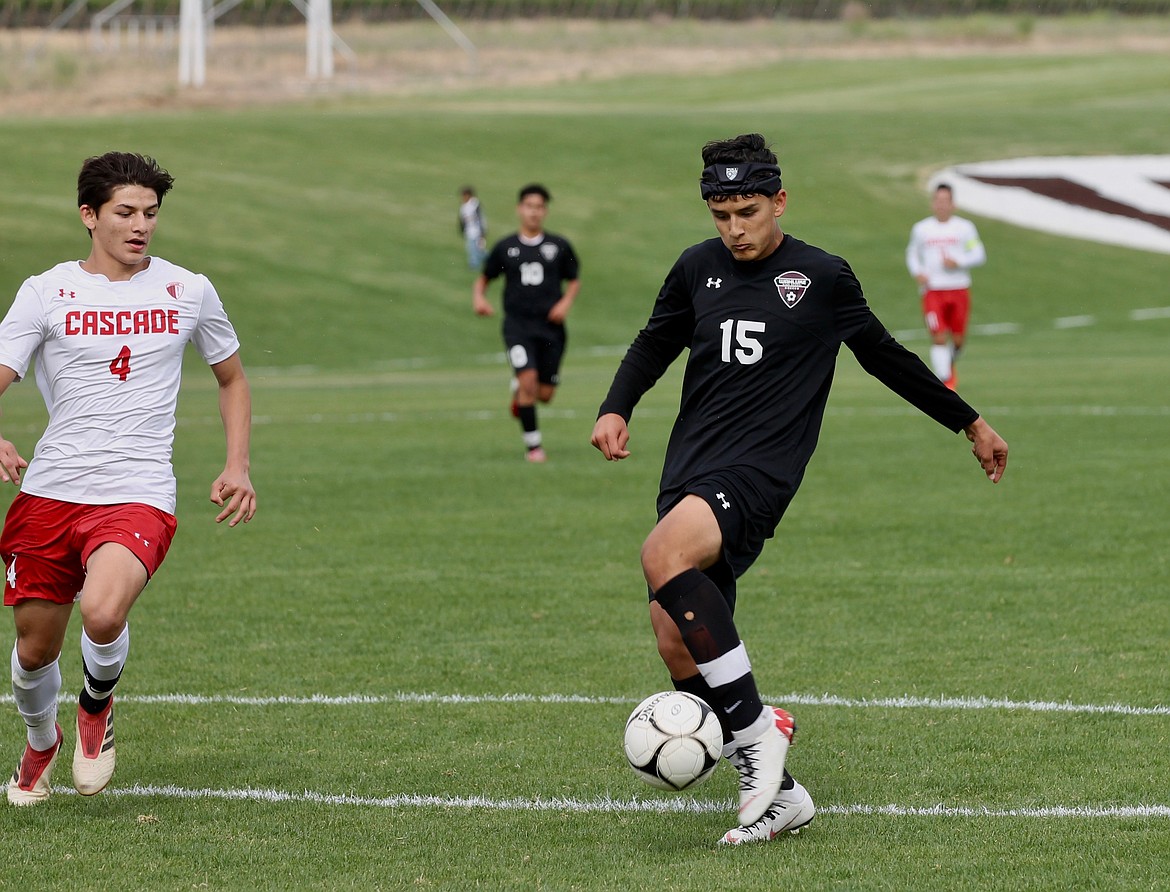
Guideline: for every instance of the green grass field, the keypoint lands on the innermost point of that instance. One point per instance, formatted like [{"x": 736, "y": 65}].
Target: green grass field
[{"x": 412, "y": 669}]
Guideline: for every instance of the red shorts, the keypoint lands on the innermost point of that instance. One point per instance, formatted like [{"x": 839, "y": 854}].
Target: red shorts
[
  {"x": 45, "y": 543},
  {"x": 947, "y": 310}
]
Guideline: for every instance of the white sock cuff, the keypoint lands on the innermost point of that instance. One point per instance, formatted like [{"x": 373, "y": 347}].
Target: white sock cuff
[
  {"x": 27, "y": 677},
  {"x": 105, "y": 661},
  {"x": 757, "y": 728},
  {"x": 940, "y": 360}
]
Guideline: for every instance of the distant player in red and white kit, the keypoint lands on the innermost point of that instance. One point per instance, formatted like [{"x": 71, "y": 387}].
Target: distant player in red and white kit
[
  {"x": 95, "y": 512},
  {"x": 943, "y": 247}
]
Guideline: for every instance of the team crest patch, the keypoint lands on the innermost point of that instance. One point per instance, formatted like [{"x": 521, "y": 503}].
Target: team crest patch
[
  {"x": 175, "y": 289},
  {"x": 792, "y": 286},
  {"x": 549, "y": 252}
]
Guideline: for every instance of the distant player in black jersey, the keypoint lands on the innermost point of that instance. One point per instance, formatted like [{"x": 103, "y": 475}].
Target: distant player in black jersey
[
  {"x": 540, "y": 285},
  {"x": 763, "y": 315}
]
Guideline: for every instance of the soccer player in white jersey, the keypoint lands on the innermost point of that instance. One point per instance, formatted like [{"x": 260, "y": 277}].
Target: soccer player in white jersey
[
  {"x": 95, "y": 512},
  {"x": 473, "y": 227},
  {"x": 943, "y": 248}
]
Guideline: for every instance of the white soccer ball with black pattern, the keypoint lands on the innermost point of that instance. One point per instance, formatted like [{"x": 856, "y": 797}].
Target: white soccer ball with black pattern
[{"x": 673, "y": 740}]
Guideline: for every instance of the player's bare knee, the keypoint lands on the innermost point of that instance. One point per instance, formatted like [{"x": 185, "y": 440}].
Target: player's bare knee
[
  {"x": 103, "y": 624},
  {"x": 35, "y": 652},
  {"x": 653, "y": 565}
]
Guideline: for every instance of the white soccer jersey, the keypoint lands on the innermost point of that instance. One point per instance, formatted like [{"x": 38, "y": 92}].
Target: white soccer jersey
[
  {"x": 109, "y": 359},
  {"x": 931, "y": 240},
  {"x": 472, "y": 218}
]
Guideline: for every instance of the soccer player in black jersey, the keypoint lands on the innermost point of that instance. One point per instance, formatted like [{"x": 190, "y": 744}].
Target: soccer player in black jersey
[
  {"x": 763, "y": 315},
  {"x": 541, "y": 282}
]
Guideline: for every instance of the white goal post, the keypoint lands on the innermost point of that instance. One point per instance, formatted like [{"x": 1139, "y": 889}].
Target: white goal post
[{"x": 194, "y": 20}]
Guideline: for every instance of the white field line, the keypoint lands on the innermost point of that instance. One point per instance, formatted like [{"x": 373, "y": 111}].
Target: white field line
[
  {"x": 904, "y": 702},
  {"x": 605, "y": 804},
  {"x": 1075, "y": 321}
]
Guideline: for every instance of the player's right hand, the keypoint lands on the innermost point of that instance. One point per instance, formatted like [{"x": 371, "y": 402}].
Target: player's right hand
[
  {"x": 11, "y": 464},
  {"x": 610, "y": 436}
]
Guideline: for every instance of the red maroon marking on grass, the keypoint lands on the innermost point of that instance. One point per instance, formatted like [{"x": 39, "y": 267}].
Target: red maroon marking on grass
[{"x": 1076, "y": 194}]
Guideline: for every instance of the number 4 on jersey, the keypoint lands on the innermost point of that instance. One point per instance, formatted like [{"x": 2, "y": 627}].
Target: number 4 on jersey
[{"x": 120, "y": 364}]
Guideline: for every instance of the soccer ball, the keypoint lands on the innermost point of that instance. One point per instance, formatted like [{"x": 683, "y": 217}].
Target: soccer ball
[{"x": 673, "y": 740}]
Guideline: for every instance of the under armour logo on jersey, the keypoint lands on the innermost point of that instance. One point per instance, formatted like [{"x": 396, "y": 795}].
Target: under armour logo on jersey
[
  {"x": 792, "y": 286},
  {"x": 723, "y": 500},
  {"x": 175, "y": 289},
  {"x": 713, "y": 282},
  {"x": 61, "y": 292}
]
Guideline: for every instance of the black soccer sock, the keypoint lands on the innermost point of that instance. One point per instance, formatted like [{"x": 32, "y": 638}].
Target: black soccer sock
[
  {"x": 103, "y": 688},
  {"x": 704, "y": 620},
  {"x": 528, "y": 418}
]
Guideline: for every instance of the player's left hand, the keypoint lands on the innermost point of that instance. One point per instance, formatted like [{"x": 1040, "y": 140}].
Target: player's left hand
[
  {"x": 11, "y": 464},
  {"x": 233, "y": 492},
  {"x": 990, "y": 449},
  {"x": 610, "y": 436},
  {"x": 559, "y": 312}
]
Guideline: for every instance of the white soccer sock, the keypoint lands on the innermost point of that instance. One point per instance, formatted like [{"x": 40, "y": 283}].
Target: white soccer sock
[
  {"x": 940, "y": 360},
  {"x": 35, "y": 693},
  {"x": 104, "y": 662},
  {"x": 532, "y": 439},
  {"x": 756, "y": 729}
]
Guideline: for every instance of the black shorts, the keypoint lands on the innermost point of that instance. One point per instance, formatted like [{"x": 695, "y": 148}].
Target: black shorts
[
  {"x": 747, "y": 507},
  {"x": 535, "y": 344}
]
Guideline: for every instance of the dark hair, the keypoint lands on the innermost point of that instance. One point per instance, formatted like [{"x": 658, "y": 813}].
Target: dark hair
[
  {"x": 467, "y": 190},
  {"x": 102, "y": 174},
  {"x": 947, "y": 187},
  {"x": 533, "y": 189},
  {"x": 749, "y": 149}
]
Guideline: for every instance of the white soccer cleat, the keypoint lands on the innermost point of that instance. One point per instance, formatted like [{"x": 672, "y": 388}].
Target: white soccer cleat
[
  {"x": 93, "y": 759},
  {"x": 760, "y": 761},
  {"x": 31, "y": 782},
  {"x": 791, "y": 811}
]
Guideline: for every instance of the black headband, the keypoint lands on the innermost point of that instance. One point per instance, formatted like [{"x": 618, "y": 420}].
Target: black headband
[{"x": 733, "y": 179}]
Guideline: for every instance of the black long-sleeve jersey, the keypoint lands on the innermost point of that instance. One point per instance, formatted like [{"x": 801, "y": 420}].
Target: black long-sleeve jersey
[
  {"x": 763, "y": 337},
  {"x": 533, "y": 274}
]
